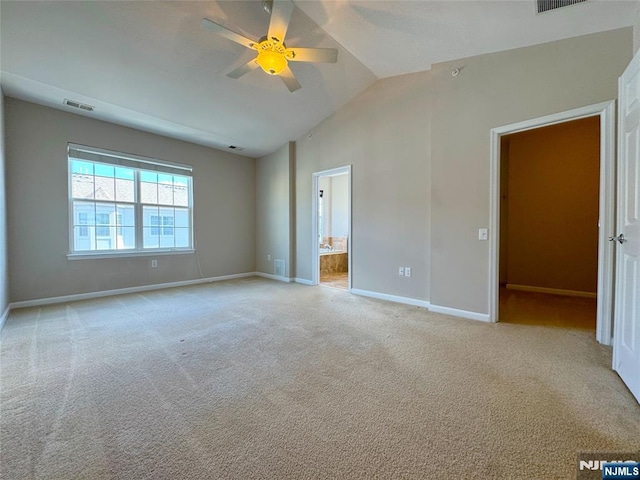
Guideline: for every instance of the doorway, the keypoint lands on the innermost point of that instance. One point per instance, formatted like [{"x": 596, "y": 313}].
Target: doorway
[
  {"x": 591, "y": 290},
  {"x": 332, "y": 228},
  {"x": 548, "y": 259}
]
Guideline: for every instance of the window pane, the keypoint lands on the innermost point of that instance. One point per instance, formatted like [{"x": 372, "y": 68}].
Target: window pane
[
  {"x": 182, "y": 237},
  {"x": 181, "y": 191},
  {"x": 165, "y": 194},
  {"x": 126, "y": 216},
  {"x": 125, "y": 190},
  {"x": 82, "y": 242},
  {"x": 149, "y": 240},
  {"x": 148, "y": 177},
  {"x": 124, "y": 173},
  {"x": 165, "y": 178},
  {"x": 149, "y": 192},
  {"x": 104, "y": 170},
  {"x": 182, "y": 217},
  {"x": 105, "y": 188},
  {"x": 126, "y": 238},
  {"x": 105, "y": 226},
  {"x": 166, "y": 241},
  {"x": 83, "y": 213},
  {"x": 151, "y": 222},
  {"x": 80, "y": 167},
  {"x": 82, "y": 186}
]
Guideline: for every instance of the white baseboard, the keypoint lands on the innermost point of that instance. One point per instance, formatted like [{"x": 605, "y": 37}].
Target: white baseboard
[
  {"x": 273, "y": 277},
  {"x": 391, "y": 298},
  {"x": 4, "y": 317},
  {"x": 303, "y": 281},
  {"x": 121, "y": 291},
  {"x": 483, "y": 317},
  {"x": 553, "y": 291}
]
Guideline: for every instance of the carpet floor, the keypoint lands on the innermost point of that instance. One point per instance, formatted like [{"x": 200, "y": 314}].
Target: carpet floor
[{"x": 257, "y": 379}]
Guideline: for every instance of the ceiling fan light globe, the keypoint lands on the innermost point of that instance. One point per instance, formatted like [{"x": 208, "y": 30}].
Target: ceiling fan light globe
[{"x": 272, "y": 63}]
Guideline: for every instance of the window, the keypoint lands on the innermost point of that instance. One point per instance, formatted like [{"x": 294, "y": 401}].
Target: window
[{"x": 126, "y": 204}]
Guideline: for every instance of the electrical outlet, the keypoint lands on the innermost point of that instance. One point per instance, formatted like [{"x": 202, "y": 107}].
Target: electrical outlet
[
  {"x": 154, "y": 263},
  {"x": 401, "y": 271},
  {"x": 268, "y": 257},
  {"x": 407, "y": 271}
]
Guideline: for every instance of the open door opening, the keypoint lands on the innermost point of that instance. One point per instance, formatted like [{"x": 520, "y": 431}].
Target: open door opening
[
  {"x": 548, "y": 255},
  {"x": 598, "y": 226},
  {"x": 332, "y": 228}
]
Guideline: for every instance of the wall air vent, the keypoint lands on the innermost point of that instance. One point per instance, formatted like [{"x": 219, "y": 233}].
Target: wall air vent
[
  {"x": 81, "y": 106},
  {"x": 546, "y": 5}
]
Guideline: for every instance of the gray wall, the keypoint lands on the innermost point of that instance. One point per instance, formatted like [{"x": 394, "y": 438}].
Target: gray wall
[
  {"x": 274, "y": 179},
  {"x": 339, "y": 206},
  {"x": 419, "y": 146},
  {"x": 4, "y": 281},
  {"x": 636, "y": 31},
  {"x": 384, "y": 134},
  {"x": 36, "y": 143},
  {"x": 491, "y": 91}
]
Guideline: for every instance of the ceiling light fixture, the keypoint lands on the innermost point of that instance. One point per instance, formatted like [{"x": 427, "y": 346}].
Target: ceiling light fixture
[{"x": 273, "y": 57}]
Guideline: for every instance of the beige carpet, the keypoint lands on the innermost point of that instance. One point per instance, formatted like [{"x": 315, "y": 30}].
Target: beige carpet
[{"x": 255, "y": 379}]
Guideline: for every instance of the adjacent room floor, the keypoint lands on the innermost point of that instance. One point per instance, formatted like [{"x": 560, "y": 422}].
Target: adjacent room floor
[
  {"x": 335, "y": 279},
  {"x": 254, "y": 378},
  {"x": 531, "y": 308}
]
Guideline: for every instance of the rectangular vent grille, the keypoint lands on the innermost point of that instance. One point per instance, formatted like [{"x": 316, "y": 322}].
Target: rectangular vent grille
[
  {"x": 82, "y": 106},
  {"x": 546, "y": 5},
  {"x": 278, "y": 267}
]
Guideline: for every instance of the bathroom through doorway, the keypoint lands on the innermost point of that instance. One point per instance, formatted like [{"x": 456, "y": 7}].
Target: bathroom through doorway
[{"x": 332, "y": 223}]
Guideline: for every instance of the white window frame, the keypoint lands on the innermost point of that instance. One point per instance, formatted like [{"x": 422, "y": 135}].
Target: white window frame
[{"x": 136, "y": 163}]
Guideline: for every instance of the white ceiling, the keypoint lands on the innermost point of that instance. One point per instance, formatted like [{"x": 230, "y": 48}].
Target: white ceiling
[{"x": 150, "y": 65}]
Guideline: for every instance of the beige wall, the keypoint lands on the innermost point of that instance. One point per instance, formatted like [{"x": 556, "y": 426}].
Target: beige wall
[
  {"x": 4, "y": 281},
  {"x": 384, "y": 134},
  {"x": 38, "y": 240},
  {"x": 419, "y": 146},
  {"x": 491, "y": 91},
  {"x": 553, "y": 177},
  {"x": 274, "y": 180}
]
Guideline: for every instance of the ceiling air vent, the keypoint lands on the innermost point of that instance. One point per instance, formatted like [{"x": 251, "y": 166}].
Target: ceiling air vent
[
  {"x": 546, "y": 5},
  {"x": 81, "y": 106},
  {"x": 233, "y": 147}
]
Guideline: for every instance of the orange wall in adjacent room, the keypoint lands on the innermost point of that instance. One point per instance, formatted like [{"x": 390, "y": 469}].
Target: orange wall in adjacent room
[{"x": 551, "y": 197}]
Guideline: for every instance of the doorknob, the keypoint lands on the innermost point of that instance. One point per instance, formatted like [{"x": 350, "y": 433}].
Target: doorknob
[{"x": 619, "y": 238}]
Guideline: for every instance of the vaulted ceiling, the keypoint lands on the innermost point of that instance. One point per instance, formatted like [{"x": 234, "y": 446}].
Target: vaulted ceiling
[{"x": 150, "y": 65}]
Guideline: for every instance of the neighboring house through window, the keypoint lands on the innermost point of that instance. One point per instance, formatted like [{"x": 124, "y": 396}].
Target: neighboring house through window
[{"x": 126, "y": 203}]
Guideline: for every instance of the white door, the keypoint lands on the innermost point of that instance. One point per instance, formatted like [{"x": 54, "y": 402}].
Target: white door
[{"x": 626, "y": 341}]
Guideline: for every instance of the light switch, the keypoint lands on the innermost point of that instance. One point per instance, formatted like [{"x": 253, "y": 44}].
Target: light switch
[
  {"x": 483, "y": 234},
  {"x": 407, "y": 271}
]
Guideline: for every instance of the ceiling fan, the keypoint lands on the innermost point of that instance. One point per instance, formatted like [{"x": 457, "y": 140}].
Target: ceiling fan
[{"x": 273, "y": 56}]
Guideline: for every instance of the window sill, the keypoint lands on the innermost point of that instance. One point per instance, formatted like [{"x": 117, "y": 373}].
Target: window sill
[{"x": 101, "y": 255}]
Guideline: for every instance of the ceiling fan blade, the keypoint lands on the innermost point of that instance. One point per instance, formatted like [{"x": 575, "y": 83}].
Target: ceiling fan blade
[
  {"x": 226, "y": 33},
  {"x": 324, "y": 55},
  {"x": 241, "y": 70},
  {"x": 280, "y": 15},
  {"x": 290, "y": 80}
]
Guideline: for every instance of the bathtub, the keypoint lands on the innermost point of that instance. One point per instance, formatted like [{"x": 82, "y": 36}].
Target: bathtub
[{"x": 333, "y": 261}]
